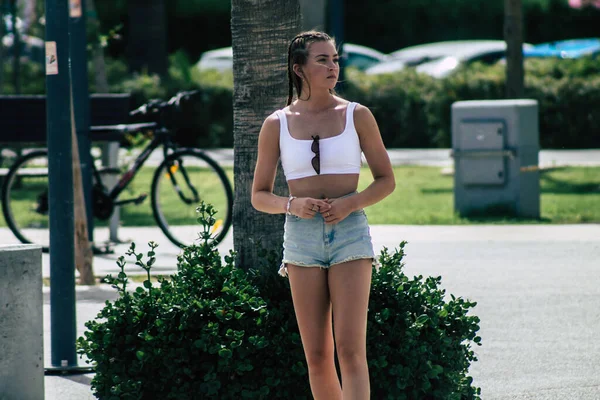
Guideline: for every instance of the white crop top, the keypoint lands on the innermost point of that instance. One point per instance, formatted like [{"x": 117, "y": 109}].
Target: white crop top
[{"x": 338, "y": 154}]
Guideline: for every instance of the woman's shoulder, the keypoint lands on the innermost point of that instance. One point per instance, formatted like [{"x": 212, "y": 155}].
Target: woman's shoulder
[
  {"x": 274, "y": 117},
  {"x": 271, "y": 123},
  {"x": 343, "y": 103},
  {"x": 363, "y": 117}
]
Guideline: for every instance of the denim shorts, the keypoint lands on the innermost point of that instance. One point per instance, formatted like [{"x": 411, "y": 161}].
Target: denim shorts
[{"x": 312, "y": 243}]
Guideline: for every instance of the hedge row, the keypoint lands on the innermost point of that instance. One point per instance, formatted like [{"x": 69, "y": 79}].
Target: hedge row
[{"x": 413, "y": 110}]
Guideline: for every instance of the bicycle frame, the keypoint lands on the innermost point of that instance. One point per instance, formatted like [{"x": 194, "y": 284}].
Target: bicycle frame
[{"x": 160, "y": 138}]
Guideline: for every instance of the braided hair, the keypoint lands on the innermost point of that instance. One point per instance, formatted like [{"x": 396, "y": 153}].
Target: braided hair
[{"x": 298, "y": 54}]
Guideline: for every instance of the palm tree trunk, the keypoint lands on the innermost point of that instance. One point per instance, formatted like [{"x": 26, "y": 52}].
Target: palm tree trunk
[
  {"x": 261, "y": 31},
  {"x": 147, "y": 41},
  {"x": 513, "y": 35}
]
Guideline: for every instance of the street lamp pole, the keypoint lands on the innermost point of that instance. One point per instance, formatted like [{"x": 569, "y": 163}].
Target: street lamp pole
[{"x": 60, "y": 192}]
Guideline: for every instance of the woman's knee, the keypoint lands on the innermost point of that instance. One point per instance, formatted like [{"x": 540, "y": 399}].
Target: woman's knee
[
  {"x": 351, "y": 355},
  {"x": 319, "y": 359}
]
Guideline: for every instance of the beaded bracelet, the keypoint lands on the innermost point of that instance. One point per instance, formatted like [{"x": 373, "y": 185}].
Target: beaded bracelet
[{"x": 289, "y": 203}]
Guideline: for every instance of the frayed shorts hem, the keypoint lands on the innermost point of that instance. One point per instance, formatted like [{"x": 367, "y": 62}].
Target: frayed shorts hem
[{"x": 283, "y": 270}]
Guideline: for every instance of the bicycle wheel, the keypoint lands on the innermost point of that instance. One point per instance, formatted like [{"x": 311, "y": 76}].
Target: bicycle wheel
[
  {"x": 25, "y": 199},
  {"x": 181, "y": 181}
]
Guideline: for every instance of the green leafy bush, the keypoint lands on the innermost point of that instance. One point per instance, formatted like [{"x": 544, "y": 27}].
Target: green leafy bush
[
  {"x": 32, "y": 78},
  {"x": 419, "y": 345},
  {"x": 215, "y": 331},
  {"x": 193, "y": 336},
  {"x": 414, "y": 110}
]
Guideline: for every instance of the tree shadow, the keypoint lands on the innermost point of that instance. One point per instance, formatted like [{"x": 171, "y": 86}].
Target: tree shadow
[
  {"x": 563, "y": 186},
  {"x": 500, "y": 214},
  {"x": 548, "y": 185}
]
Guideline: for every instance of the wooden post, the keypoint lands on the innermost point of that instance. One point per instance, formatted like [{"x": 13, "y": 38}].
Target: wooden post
[
  {"x": 84, "y": 256},
  {"x": 82, "y": 158}
]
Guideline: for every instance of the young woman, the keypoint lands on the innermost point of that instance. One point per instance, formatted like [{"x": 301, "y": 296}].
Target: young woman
[{"x": 328, "y": 254}]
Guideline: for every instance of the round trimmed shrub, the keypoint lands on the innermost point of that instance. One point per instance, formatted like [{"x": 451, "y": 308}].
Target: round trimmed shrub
[{"x": 214, "y": 331}]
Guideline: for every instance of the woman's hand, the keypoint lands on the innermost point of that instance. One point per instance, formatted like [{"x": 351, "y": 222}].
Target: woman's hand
[
  {"x": 307, "y": 207},
  {"x": 338, "y": 211}
]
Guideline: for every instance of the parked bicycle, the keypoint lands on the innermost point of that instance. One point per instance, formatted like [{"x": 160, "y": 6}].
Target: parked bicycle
[{"x": 184, "y": 177}]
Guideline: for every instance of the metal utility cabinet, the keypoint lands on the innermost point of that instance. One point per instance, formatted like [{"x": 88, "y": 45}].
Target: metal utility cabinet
[{"x": 495, "y": 145}]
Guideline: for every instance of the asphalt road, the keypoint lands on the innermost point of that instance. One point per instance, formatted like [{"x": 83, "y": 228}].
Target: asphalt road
[{"x": 537, "y": 294}]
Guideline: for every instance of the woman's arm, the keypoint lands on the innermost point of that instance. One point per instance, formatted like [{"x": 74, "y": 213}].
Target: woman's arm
[
  {"x": 377, "y": 157},
  {"x": 263, "y": 198}
]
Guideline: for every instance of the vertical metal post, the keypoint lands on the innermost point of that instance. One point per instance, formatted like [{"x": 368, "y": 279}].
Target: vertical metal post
[
  {"x": 111, "y": 160},
  {"x": 336, "y": 28},
  {"x": 60, "y": 176},
  {"x": 81, "y": 103}
]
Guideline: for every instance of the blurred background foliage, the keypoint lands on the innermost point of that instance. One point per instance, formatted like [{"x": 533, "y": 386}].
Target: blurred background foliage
[
  {"x": 413, "y": 110},
  {"x": 195, "y": 26}
]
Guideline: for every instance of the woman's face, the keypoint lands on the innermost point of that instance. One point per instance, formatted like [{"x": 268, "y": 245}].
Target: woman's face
[{"x": 322, "y": 67}]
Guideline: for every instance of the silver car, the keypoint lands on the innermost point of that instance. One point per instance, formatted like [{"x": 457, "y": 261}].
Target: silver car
[
  {"x": 440, "y": 59},
  {"x": 356, "y": 56}
]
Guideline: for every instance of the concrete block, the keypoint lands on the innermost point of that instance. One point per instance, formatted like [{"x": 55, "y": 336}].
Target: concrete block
[{"x": 21, "y": 323}]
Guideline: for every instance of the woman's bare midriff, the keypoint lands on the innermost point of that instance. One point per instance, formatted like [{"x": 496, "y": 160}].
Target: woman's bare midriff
[{"x": 324, "y": 186}]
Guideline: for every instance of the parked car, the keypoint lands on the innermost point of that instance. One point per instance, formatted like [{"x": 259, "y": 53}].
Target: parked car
[
  {"x": 219, "y": 59},
  {"x": 357, "y": 56},
  {"x": 432, "y": 51},
  {"x": 362, "y": 57},
  {"x": 440, "y": 59},
  {"x": 572, "y": 48}
]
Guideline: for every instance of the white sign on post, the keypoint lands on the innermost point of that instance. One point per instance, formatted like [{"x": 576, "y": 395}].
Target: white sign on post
[
  {"x": 51, "y": 59},
  {"x": 75, "y": 8}
]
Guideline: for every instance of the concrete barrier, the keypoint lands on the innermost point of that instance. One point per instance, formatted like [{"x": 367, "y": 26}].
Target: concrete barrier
[{"x": 21, "y": 323}]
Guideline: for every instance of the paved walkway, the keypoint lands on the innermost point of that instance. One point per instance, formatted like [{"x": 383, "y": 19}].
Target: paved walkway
[{"x": 442, "y": 158}]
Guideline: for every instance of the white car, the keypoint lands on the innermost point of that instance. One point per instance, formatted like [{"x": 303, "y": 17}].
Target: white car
[
  {"x": 357, "y": 56},
  {"x": 440, "y": 59},
  {"x": 219, "y": 59},
  {"x": 362, "y": 57}
]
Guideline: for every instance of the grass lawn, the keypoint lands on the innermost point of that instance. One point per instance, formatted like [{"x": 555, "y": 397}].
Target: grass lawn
[{"x": 424, "y": 196}]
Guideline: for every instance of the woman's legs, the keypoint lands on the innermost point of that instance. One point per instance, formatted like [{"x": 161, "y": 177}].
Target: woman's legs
[
  {"x": 310, "y": 294},
  {"x": 349, "y": 287}
]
